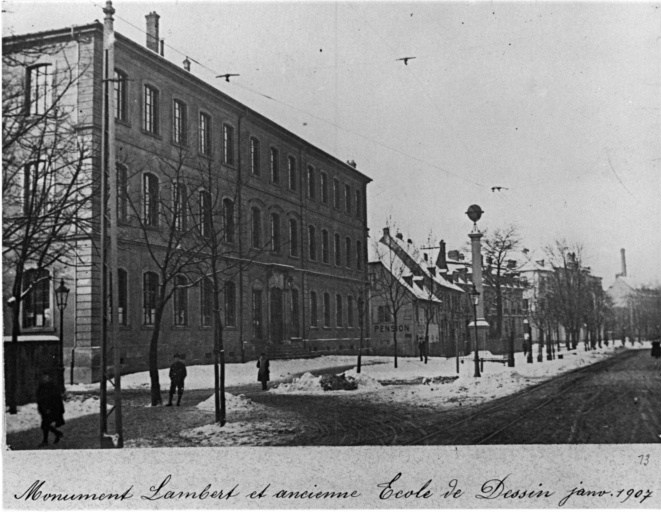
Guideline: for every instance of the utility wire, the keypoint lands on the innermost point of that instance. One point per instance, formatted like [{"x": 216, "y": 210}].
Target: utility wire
[{"x": 275, "y": 100}]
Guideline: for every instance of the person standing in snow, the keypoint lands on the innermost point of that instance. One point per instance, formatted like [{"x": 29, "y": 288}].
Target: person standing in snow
[
  {"x": 263, "y": 373},
  {"x": 177, "y": 377},
  {"x": 51, "y": 408}
]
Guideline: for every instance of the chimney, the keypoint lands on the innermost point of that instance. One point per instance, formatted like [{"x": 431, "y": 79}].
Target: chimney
[
  {"x": 441, "y": 260},
  {"x": 187, "y": 64},
  {"x": 386, "y": 231},
  {"x": 624, "y": 263},
  {"x": 352, "y": 163},
  {"x": 425, "y": 256},
  {"x": 152, "y": 31},
  {"x": 400, "y": 236}
]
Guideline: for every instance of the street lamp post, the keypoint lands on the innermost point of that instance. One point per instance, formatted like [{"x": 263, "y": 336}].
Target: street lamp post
[
  {"x": 475, "y": 300},
  {"x": 61, "y": 297},
  {"x": 474, "y": 213}
]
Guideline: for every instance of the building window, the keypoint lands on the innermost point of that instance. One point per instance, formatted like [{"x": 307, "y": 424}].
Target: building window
[
  {"x": 359, "y": 255},
  {"x": 179, "y": 122},
  {"x": 314, "y": 318},
  {"x": 336, "y": 193},
  {"x": 359, "y": 203},
  {"x": 205, "y": 213},
  {"x": 338, "y": 310},
  {"x": 257, "y": 314},
  {"x": 230, "y": 304},
  {"x": 120, "y": 84},
  {"x": 122, "y": 193},
  {"x": 327, "y": 312},
  {"x": 122, "y": 298},
  {"x": 338, "y": 250},
  {"x": 180, "y": 207},
  {"x": 293, "y": 238},
  {"x": 254, "y": 156},
  {"x": 205, "y": 134},
  {"x": 38, "y": 189},
  {"x": 151, "y": 199},
  {"x": 291, "y": 168},
  {"x": 228, "y": 144},
  {"x": 150, "y": 110},
  {"x": 312, "y": 243},
  {"x": 349, "y": 311},
  {"x": 180, "y": 301},
  {"x": 295, "y": 314},
  {"x": 228, "y": 220},
  {"x": 35, "y": 305},
  {"x": 275, "y": 232},
  {"x": 347, "y": 251},
  {"x": 383, "y": 314},
  {"x": 149, "y": 298},
  {"x": 324, "y": 188},
  {"x": 256, "y": 224},
  {"x": 206, "y": 302},
  {"x": 347, "y": 198},
  {"x": 311, "y": 182},
  {"x": 40, "y": 89},
  {"x": 324, "y": 246},
  {"x": 275, "y": 165}
]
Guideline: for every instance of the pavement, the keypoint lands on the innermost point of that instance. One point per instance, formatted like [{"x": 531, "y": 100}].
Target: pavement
[{"x": 142, "y": 421}]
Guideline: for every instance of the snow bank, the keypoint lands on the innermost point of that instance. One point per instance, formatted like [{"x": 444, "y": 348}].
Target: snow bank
[{"x": 233, "y": 403}]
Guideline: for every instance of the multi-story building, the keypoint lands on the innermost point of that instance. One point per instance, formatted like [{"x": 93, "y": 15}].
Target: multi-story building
[
  {"x": 435, "y": 302},
  {"x": 294, "y": 217},
  {"x": 429, "y": 307}
]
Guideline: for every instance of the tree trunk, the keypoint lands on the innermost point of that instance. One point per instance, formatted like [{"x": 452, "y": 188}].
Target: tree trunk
[
  {"x": 156, "y": 398},
  {"x": 394, "y": 338}
]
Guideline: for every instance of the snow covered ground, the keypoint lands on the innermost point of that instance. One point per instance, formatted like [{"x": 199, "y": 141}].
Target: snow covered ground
[{"x": 455, "y": 389}]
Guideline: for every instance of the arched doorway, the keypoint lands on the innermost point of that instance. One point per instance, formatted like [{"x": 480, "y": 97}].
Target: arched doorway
[{"x": 277, "y": 322}]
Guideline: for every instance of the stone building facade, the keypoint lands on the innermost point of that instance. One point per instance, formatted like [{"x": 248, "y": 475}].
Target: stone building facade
[{"x": 294, "y": 216}]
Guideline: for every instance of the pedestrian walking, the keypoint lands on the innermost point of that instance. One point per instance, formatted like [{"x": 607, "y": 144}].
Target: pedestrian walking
[
  {"x": 51, "y": 408},
  {"x": 263, "y": 373},
  {"x": 177, "y": 377}
]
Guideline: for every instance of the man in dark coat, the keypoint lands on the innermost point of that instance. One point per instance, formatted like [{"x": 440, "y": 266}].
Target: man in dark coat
[
  {"x": 263, "y": 373},
  {"x": 51, "y": 408},
  {"x": 177, "y": 376}
]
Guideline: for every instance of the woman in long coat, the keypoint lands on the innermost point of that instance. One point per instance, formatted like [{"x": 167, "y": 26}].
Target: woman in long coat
[{"x": 263, "y": 373}]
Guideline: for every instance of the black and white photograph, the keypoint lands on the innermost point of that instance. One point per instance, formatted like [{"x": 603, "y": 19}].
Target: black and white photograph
[{"x": 334, "y": 254}]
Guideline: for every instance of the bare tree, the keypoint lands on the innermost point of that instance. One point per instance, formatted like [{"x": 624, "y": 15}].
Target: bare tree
[
  {"x": 47, "y": 170},
  {"x": 568, "y": 290},
  {"x": 220, "y": 227},
  {"x": 388, "y": 285},
  {"x": 499, "y": 248},
  {"x": 163, "y": 207}
]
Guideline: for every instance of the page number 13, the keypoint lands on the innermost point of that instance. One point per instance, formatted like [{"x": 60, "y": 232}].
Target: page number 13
[{"x": 644, "y": 459}]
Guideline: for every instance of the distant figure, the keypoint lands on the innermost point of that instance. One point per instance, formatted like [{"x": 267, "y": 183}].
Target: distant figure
[
  {"x": 421, "y": 346},
  {"x": 51, "y": 408},
  {"x": 177, "y": 377},
  {"x": 656, "y": 349},
  {"x": 263, "y": 373}
]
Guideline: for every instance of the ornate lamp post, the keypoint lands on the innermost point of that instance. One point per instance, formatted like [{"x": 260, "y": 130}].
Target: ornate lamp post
[
  {"x": 474, "y": 213},
  {"x": 61, "y": 297},
  {"x": 475, "y": 300}
]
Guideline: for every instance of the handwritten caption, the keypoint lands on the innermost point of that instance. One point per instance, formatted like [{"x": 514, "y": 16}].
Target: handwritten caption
[{"x": 388, "y": 490}]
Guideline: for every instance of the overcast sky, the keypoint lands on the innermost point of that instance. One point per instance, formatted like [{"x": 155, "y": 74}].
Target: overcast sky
[{"x": 558, "y": 103}]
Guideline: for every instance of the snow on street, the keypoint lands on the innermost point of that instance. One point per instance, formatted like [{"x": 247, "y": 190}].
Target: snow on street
[{"x": 415, "y": 386}]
